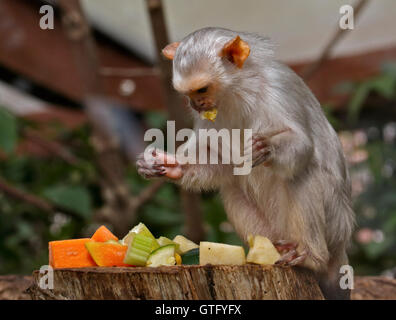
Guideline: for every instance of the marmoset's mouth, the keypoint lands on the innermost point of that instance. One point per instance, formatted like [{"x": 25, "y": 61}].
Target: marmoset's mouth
[{"x": 206, "y": 106}]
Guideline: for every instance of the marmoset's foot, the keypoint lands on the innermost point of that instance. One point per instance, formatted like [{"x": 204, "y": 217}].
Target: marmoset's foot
[{"x": 289, "y": 254}]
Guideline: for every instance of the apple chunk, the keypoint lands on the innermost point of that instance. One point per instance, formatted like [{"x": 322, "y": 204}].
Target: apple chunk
[
  {"x": 219, "y": 253},
  {"x": 262, "y": 251}
]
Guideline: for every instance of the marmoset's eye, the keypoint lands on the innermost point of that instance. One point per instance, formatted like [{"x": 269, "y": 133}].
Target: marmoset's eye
[{"x": 202, "y": 90}]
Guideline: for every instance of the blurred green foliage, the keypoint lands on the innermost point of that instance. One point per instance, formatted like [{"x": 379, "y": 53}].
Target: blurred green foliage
[
  {"x": 375, "y": 207},
  {"x": 376, "y": 211},
  {"x": 25, "y": 231},
  {"x": 384, "y": 85}
]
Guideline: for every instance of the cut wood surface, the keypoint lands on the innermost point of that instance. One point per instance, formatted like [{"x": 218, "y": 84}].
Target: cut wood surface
[
  {"x": 180, "y": 283},
  {"x": 13, "y": 287}
]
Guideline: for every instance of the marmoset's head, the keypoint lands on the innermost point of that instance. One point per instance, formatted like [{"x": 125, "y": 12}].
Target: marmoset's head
[{"x": 206, "y": 63}]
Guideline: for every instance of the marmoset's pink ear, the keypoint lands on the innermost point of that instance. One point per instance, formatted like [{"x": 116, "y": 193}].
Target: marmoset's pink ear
[
  {"x": 236, "y": 51},
  {"x": 170, "y": 50}
]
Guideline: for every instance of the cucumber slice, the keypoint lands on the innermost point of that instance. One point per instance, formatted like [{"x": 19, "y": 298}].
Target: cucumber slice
[
  {"x": 163, "y": 241},
  {"x": 163, "y": 256},
  {"x": 191, "y": 257}
]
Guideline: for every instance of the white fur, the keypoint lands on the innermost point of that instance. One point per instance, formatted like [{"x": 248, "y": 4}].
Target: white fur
[{"x": 305, "y": 195}]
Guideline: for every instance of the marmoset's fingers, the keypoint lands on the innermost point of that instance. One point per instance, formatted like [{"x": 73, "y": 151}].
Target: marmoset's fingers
[
  {"x": 165, "y": 159},
  {"x": 298, "y": 260},
  {"x": 174, "y": 172},
  {"x": 287, "y": 257},
  {"x": 285, "y": 245},
  {"x": 262, "y": 157},
  {"x": 149, "y": 171}
]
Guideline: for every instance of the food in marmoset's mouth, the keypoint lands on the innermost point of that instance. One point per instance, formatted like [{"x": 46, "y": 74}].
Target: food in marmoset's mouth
[
  {"x": 139, "y": 248},
  {"x": 209, "y": 115}
]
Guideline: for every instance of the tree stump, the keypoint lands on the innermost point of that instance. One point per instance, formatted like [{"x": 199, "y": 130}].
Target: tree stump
[
  {"x": 13, "y": 287},
  {"x": 374, "y": 288},
  {"x": 180, "y": 283}
]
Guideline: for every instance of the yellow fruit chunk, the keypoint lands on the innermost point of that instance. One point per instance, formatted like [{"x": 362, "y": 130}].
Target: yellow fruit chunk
[
  {"x": 219, "y": 253},
  {"x": 184, "y": 244},
  {"x": 209, "y": 115},
  {"x": 262, "y": 251}
]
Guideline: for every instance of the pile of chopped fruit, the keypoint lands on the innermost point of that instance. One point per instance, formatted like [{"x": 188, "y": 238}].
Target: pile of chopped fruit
[{"x": 140, "y": 248}]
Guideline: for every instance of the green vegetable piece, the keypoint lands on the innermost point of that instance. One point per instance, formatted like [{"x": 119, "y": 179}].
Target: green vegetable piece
[
  {"x": 163, "y": 241},
  {"x": 191, "y": 257},
  {"x": 139, "y": 250},
  {"x": 163, "y": 256},
  {"x": 142, "y": 230}
]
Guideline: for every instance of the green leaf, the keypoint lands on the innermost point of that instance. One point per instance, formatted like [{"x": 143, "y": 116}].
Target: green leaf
[
  {"x": 344, "y": 87},
  {"x": 167, "y": 195},
  {"x": 374, "y": 250},
  {"x": 356, "y": 103},
  {"x": 74, "y": 198},
  {"x": 384, "y": 86},
  {"x": 8, "y": 131},
  {"x": 389, "y": 68},
  {"x": 328, "y": 110},
  {"x": 155, "y": 119}
]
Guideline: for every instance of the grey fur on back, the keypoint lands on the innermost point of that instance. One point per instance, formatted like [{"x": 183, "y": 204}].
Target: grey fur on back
[{"x": 306, "y": 194}]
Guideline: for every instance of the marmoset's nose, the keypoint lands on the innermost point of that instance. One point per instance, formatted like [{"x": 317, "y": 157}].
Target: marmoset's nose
[{"x": 201, "y": 104}]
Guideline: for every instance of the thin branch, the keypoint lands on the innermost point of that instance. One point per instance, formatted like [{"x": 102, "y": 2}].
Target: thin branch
[
  {"x": 53, "y": 147},
  {"x": 33, "y": 200},
  {"x": 146, "y": 194},
  {"x": 311, "y": 69},
  {"x": 26, "y": 197}
]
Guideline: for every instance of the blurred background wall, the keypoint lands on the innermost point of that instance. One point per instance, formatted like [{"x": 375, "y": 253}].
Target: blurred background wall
[{"x": 300, "y": 29}]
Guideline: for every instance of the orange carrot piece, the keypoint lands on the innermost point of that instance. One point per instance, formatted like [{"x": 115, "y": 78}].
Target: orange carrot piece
[
  {"x": 70, "y": 254},
  {"x": 107, "y": 254},
  {"x": 102, "y": 234}
]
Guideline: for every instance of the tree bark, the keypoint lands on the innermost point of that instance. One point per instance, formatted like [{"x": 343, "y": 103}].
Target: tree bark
[
  {"x": 13, "y": 287},
  {"x": 374, "y": 288},
  {"x": 180, "y": 283}
]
